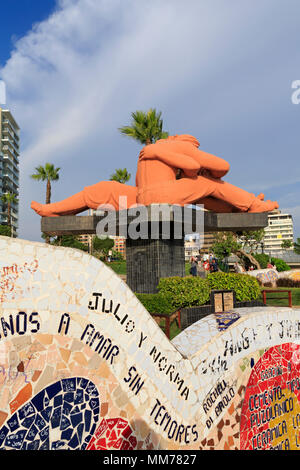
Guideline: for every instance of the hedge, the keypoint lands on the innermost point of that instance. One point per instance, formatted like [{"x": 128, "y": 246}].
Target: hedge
[
  {"x": 264, "y": 259},
  {"x": 157, "y": 303},
  {"x": 246, "y": 287},
  {"x": 280, "y": 264},
  {"x": 182, "y": 292},
  {"x": 185, "y": 291}
]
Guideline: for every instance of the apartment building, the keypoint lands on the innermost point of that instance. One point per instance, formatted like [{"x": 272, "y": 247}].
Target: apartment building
[
  {"x": 120, "y": 245},
  {"x": 9, "y": 166},
  {"x": 280, "y": 228},
  {"x": 199, "y": 244}
]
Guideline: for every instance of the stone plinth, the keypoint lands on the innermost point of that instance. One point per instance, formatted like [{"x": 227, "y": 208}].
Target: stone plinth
[
  {"x": 155, "y": 238},
  {"x": 78, "y": 225}
]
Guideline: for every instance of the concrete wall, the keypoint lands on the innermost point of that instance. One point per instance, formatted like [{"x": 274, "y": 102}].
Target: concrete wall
[{"x": 84, "y": 366}]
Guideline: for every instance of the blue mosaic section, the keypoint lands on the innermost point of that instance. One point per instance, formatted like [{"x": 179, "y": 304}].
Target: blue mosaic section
[
  {"x": 62, "y": 416},
  {"x": 226, "y": 319}
]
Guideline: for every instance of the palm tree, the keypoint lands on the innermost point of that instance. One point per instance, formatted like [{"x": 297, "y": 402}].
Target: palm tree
[
  {"x": 121, "y": 175},
  {"x": 146, "y": 127},
  {"x": 46, "y": 173},
  {"x": 9, "y": 199}
]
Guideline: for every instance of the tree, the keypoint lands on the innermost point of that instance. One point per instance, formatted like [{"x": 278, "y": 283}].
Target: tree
[
  {"x": 70, "y": 241},
  {"x": 146, "y": 127},
  {"x": 286, "y": 244},
  {"x": 8, "y": 199},
  {"x": 226, "y": 244},
  {"x": 102, "y": 245},
  {"x": 252, "y": 239},
  {"x": 46, "y": 173},
  {"x": 297, "y": 246},
  {"x": 120, "y": 175},
  {"x": 5, "y": 231}
]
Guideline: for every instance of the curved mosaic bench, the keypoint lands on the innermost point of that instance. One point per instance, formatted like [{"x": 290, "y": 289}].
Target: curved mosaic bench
[
  {"x": 84, "y": 366},
  {"x": 264, "y": 275},
  {"x": 293, "y": 274}
]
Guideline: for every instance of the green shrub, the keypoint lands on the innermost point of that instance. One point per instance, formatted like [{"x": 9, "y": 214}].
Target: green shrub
[
  {"x": 185, "y": 291},
  {"x": 280, "y": 264},
  {"x": 246, "y": 287},
  {"x": 263, "y": 259},
  {"x": 157, "y": 303},
  {"x": 5, "y": 231}
]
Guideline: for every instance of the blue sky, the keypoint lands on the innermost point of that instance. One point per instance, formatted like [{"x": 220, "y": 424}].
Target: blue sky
[
  {"x": 217, "y": 69},
  {"x": 18, "y": 17}
]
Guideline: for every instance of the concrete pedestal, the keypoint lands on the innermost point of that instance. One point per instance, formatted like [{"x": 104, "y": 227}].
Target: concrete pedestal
[{"x": 149, "y": 260}]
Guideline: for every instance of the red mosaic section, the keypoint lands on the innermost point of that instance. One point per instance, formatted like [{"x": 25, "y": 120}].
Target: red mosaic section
[
  {"x": 115, "y": 434},
  {"x": 272, "y": 401}
]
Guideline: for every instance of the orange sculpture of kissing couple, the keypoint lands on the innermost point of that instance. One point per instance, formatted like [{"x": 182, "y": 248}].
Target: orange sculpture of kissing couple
[{"x": 200, "y": 183}]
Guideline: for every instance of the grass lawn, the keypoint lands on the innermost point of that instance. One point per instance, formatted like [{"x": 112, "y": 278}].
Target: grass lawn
[
  {"x": 174, "y": 330},
  {"x": 118, "y": 266},
  {"x": 272, "y": 298}
]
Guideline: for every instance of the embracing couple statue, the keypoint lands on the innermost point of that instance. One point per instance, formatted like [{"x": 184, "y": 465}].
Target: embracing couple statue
[{"x": 200, "y": 182}]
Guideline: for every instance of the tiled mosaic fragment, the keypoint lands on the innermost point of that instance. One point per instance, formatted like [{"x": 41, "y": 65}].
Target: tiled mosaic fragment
[
  {"x": 61, "y": 416},
  {"x": 271, "y": 409},
  {"x": 226, "y": 319},
  {"x": 115, "y": 434}
]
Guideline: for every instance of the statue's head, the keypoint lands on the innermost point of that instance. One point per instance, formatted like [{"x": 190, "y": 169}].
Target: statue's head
[{"x": 183, "y": 138}]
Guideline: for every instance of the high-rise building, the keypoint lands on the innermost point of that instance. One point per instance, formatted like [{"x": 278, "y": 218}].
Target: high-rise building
[
  {"x": 9, "y": 166},
  {"x": 280, "y": 228}
]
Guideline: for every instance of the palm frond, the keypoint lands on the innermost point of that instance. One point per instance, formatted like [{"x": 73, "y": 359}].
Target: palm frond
[{"x": 146, "y": 127}]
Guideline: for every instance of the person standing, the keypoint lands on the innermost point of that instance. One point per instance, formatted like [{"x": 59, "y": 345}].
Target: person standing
[
  {"x": 213, "y": 265},
  {"x": 200, "y": 269},
  {"x": 193, "y": 269}
]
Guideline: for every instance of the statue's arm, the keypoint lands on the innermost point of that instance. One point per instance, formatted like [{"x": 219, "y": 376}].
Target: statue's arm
[
  {"x": 217, "y": 166},
  {"x": 170, "y": 158}
]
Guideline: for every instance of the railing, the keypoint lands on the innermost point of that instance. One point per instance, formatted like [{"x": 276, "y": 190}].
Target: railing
[
  {"x": 169, "y": 319},
  {"x": 268, "y": 291},
  {"x": 7, "y": 140},
  {"x": 12, "y": 134},
  {"x": 7, "y": 122}
]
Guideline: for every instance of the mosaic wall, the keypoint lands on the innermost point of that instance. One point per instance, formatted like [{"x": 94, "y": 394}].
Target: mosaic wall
[
  {"x": 293, "y": 274},
  {"x": 83, "y": 366},
  {"x": 266, "y": 276}
]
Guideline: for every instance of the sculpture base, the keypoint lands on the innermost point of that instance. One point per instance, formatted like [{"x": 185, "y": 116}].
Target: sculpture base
[{"x": 149, "y": 260}]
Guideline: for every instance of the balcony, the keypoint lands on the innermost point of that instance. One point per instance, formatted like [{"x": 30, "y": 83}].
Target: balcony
[
  {"x": 7, "y": 131},
  {"x": 10, "y": 167},
  {"x": 10, "y": 121},
  {"x": 9, "y": 142},
  {"x": 9, "y": 151},
  {"x": 8, "y": 187},
  {"x": 10, "y": 176}
]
